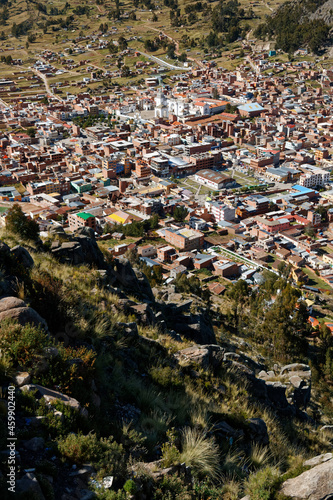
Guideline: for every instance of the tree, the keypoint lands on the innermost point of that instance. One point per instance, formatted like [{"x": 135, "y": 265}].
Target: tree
[
  {"x": 215, "y": 93},
  {"x": 122, "y": 43},
  {"x": 180, "y": 213},
  {"x": 309, "y": 231},
  {"x": 17, "y": 222},
  {"x": 171, "y": 51},
  {"x": 31, "y": 131}
]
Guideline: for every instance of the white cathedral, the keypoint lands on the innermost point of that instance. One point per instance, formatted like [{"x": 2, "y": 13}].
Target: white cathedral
[{"x": 165, "y": 106}]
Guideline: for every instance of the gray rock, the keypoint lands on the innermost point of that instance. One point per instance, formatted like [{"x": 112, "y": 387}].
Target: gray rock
[
  {"x": 29, "y": 485},
  {"x": 22, "y": 256},
  {"x": 226, "y": 429},
  {"x": 50, "y": 395},
  {"x": 258, "y": 431},
  {"x": 50, "y": 352},
  {"x": 296, "y": 381},
  {"x": 206, "y": 356},
  {"x": 4, "y": 252},
  {"x": 16, "y": 309},
  {"x": 132, "y": 280},
  {"x": 276, "y": 392},
  {"x": 196, "y": 327},
  {"x": 85, "y": 231},
  {"x": 319, "y": 459},
  {"x": 302, "y": 395},
  {"x": 314, "y": 484},
  {"x": 22, "y": 378},
  {"x": 35, "y": 444},
  {"x": 194, "y": 355},
  {"x": 81, "y": 249},
  {"x": 304, "y": 371},
  {"x": 144, "y": 313}
]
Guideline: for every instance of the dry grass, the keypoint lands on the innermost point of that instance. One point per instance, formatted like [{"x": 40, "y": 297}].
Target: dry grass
[{"x": 200, "y": 453}]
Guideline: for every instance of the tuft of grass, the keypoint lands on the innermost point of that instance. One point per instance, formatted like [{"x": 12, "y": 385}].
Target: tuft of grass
[
  {"x": 200, "y": 453},
  {"x": 259, "y": 456}
]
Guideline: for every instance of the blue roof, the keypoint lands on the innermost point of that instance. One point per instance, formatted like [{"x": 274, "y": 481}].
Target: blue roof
[
  {"x": 302, "y": 189},
  {"x": 251, "y": 106}
]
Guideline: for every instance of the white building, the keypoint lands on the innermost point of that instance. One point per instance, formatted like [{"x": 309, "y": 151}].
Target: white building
[
  {"x": 213, "y": 180},
  {"x": 313, "y": 176},
  {"x": 197, "y": 223},
  {"x": 221, "y": 211}
]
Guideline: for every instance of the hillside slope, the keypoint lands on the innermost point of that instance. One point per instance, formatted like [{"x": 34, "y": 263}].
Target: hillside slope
[{"x": 124, "y": 391}]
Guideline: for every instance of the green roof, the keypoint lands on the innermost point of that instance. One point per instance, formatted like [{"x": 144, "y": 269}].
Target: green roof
[{"x": 85, "y": 215}]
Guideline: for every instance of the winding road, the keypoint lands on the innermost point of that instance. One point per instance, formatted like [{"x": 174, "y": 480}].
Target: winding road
[
  {"x": 163, "y": 63},
  {"x": 46, "y": 83}
]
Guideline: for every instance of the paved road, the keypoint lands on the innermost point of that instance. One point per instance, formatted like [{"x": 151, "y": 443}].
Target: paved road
[
  {"x": 3, "y": 103},
  {"x": 163, "y": 63},
  {"x": 46, "y": 83},
  {"x": 253, "y": 66}
]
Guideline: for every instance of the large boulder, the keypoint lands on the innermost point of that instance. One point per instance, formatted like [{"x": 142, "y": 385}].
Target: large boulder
[
  {"x": 257, "y": 429},
  {"x": 196, "y": 327},
  {"x": 22, "y": 256},
  {"x": 314, "y": 484},
  {"x": 50, "y": 395},
  {"x": 276, "y": 392},
  {"x": 132, "y": 281},
  {"x": 29, "y": 487},
  {"x": 16, "y": 309},
  {"x": 34, "y": 444},
  {"x": 4, "y": 253},
  {"x": 206, "y": 356},
  {"x": 80, "y": 249}
]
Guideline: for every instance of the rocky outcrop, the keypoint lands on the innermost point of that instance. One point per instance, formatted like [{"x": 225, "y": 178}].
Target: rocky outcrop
[
  {"x": 313, "y": 484},
  {"x": 196, "y": 327},
  {"x": 16, "y": 309},
  {"x": 294, "y": 380},
  {"x": 22, "y": 378},
  {"x": 131, "y": 280},
  {"x": 206, "y": 356},
  {"x": 257, "y": 429},
  {"x": 4, "y": 253},
  {"x": 29, "y": 487},
  {"x": 50, "y": 395},
  {"x": 81, "y": 249},
  {"x": 22, "y": 256}
]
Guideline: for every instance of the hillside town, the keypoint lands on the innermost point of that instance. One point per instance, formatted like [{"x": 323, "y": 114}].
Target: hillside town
[{"x": 233, "y": 167}]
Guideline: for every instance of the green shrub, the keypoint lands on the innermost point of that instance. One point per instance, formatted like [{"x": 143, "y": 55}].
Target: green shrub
[
  {"x": 165, "y": 376},
  {"x": 130, "y": 486},
  {"x": 261, "y": 485},
  {"x": 170, "y": 452},
  {"x": 19, "y": 223},
  {"x": 107, "y": 455},
  {"x": 22, "y": 344},
  {"x": 72, "y": 371},
  {"x": 172, "y": 488}
]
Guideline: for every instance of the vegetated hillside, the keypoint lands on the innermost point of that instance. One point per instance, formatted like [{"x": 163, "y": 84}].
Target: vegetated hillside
[
  {"x": 300, "y": 24},
  {"x": 191, "y": 24},
  {"x": 127, "y": 391}
]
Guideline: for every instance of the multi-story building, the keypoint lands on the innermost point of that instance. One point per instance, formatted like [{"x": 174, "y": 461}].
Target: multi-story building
[
  {"x": 46, "y": 187},
  {"x": 221, "y": 211},
  {"x": 313, "y": 176},
  {"x": 142, "y": 169},
  {"x": 160, "y": 166},
  {"x": 81, "y": 219},
  {"x": 184, "y": 239}
]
